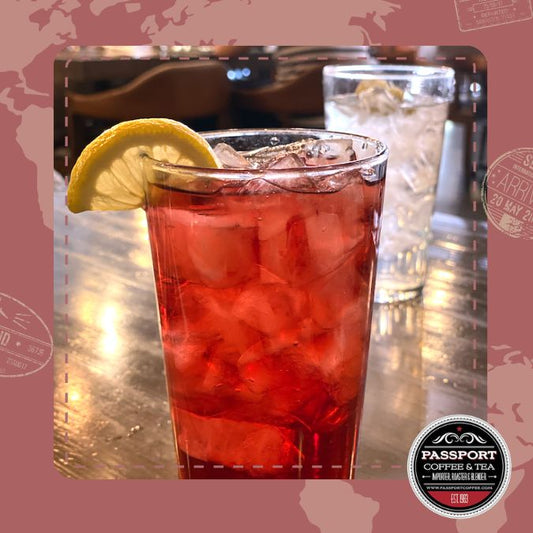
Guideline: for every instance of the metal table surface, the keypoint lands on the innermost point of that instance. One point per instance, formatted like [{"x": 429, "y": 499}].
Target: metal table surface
[{"x": 427, "y": 357}]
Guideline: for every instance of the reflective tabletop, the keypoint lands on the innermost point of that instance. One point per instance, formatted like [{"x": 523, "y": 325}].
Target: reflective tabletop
[{"x": 427, "y": 357}]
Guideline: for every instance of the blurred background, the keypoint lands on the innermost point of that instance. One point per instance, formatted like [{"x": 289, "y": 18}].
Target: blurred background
[{"x": 213, "y": 87}]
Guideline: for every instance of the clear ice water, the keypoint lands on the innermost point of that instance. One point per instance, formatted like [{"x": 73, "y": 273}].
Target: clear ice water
[{"x": 413, "y": 129}]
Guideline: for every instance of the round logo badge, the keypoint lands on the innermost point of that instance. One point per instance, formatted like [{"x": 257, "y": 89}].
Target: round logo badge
[{"x": 459, "y": 466}]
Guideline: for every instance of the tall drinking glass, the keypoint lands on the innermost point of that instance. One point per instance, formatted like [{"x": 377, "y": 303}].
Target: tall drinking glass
[
  {"x": 265, "y": 278},
  {"x": 406, "y": 107}
]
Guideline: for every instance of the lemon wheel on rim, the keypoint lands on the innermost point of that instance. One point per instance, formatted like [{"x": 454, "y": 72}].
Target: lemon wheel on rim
[{"x": 109, "y": 174}]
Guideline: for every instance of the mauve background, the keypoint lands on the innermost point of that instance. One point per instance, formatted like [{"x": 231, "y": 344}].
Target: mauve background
[{"x": 34, "y": 495}]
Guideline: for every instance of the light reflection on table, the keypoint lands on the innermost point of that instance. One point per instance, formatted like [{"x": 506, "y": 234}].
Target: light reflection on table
[{"x": 427, "y": 357}]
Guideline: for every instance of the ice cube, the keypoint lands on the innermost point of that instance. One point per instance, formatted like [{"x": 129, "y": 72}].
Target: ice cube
[
  {"x": 286, "y": 161},
  {"x": 330, "y": 295},
  {"x": 186, "y": 356},
  {"x": 351, "y": 337},
  {"x": 274, "y": 213},
  {"x": 284, "y": 384},
  {"x": 187, "y": 363},
  {"x": 262, "y": 157},
  {"x": 328, "y": 152},
  {"x": 306, "y": 247},
  {"x": 232, "y": 442},
  {"x": 286, "y": 339},
  {"x": 303, "y": 182},
  {"x": 167, "y": 250},
  {"x": 407, "y": 97},
  {"x": 422, "y": 173},
  {"x": 229, "y": 157},
  {"x": 202, "y": 307},
  {"x": 211, "y": 247},
  {"x": 207, "y": 314},
  {"x": 268, "y": 277},
  {"x": 269, "y": 308},
  {"x": 236, "y": 337},
  {"x": 292, "y": 338},
  {"x": 198, "y": 378},
  {"x": 258, "y": 187},
  {"x": 219, "y": 378},
  {"x": 220, "y": 250},
  {"x": 285, "y": 253},
  {"x": 325, "y": 238}
]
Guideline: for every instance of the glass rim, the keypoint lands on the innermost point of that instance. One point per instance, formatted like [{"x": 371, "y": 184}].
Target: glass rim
[
  {"x": 395, "y": 72},
  {"x": 382, "y": 152}
]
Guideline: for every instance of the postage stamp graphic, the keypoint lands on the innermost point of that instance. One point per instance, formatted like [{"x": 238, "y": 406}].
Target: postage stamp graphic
[
  {"x": 25, "y": 341},
  {"x": 507, "y": 193},
  {"x": 478, "y": 14}
]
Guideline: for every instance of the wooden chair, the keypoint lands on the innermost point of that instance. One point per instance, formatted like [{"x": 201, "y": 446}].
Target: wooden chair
[
  {"x": 294, "y": 102},
  {"x": 181, "y": 91}
]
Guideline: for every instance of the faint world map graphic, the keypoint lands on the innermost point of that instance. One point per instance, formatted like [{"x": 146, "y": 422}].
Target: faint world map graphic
[{"x": 26, "y": 95}]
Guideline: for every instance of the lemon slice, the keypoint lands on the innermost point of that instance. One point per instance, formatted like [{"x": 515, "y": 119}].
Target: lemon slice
[
  {"x": 380, "y": 85},
  {"x": 109, "y": 173}
]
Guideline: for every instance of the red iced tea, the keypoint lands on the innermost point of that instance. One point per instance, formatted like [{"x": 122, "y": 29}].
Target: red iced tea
[{"x": 264, "y": 298}]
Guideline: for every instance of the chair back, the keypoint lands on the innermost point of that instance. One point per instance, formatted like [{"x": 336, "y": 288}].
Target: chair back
[
  {"x": 301, "y": 95},
  {"x": 175, "y": 90}
]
